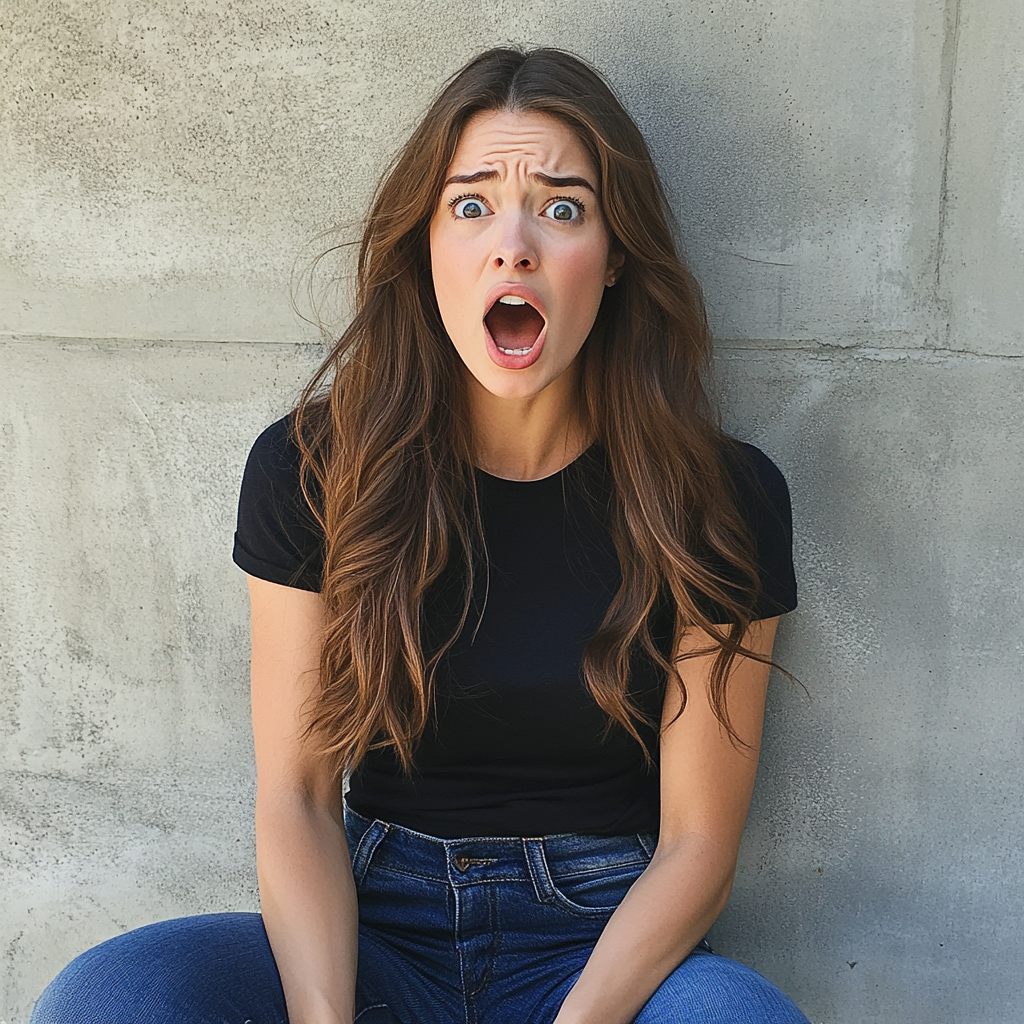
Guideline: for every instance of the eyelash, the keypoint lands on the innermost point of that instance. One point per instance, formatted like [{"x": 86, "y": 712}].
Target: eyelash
[
  {"x": 465, "y": 195},
  {"x": 554, "y": 199},
  {"x": 568, "y": 199}
]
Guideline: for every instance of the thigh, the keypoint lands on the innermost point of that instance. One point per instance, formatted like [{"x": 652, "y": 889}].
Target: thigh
[
  {"x": 710, "y": 989},
  {"x": 213, "y": 969}
]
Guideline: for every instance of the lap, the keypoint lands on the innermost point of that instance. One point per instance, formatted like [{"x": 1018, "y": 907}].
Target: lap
[
  {"x": 710, "y": 989},
  {"x": 219, "y": 969},
  {"x": 213, "y": 969}
]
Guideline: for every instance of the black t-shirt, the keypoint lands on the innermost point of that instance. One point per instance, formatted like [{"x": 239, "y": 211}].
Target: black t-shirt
[{"x": 516, "y": 746}]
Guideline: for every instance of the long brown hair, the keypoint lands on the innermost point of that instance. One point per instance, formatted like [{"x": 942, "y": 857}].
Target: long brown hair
[{"x": 386, "y": 448}]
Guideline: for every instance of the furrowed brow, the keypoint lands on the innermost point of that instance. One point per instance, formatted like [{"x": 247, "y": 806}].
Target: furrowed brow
[
  {"x": 471, "y": 179},
  {"x": 545, "y": 179},
  {"x": 570, "y": 182}
]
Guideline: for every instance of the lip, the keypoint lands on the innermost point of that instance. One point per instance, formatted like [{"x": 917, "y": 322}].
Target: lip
[{"x": 498, "y": 357}]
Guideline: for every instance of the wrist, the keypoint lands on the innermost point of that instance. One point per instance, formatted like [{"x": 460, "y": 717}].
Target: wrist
[
  {"x": 322, "y": 1013},
  {"x": 572, "y": 1013}
]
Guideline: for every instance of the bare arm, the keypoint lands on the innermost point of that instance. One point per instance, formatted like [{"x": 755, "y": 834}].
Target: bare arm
[
  {"x": 307, "y": 893},
  {"x": 706, "y": 785}
]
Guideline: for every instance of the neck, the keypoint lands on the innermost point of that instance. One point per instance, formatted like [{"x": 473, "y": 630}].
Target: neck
[{"x": 528, "y": 438}]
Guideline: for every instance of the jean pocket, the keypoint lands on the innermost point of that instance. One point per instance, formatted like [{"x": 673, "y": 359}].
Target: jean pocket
[
  {"x": 583, "y": 890},
  {"x": 600, "y": 893}
]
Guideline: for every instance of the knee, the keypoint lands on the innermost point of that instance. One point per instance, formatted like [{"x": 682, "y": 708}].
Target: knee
[
  {"x": 102, "y": 984},
  {"x": 711, "y": 989},
  {"x": 158, "y": 974}
]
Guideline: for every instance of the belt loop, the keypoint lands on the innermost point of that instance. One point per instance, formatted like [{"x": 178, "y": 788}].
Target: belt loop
[
  {"x": 540, "y": 875},
  {"x": 364, "y": 852}
]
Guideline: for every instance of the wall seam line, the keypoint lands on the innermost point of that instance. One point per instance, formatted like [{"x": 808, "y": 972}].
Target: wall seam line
[
  {"x": 312, "y": 348},
  {"x": 950, "y": 51}
]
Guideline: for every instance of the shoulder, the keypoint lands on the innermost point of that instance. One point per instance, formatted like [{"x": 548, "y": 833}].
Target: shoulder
[
  {"x": 763, "y": 498},
  {"x": 278, "y": 537},
  {"x": 274, "y": 456},
  {"x": 760, "y": 484}
]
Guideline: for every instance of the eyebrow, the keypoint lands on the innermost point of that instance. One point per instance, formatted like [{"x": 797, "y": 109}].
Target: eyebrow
[{"x": 545, "y": 179}]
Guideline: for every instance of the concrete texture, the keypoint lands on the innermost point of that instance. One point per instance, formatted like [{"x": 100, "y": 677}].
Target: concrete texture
[
  {"x": 982, "y": 242},
  {"x": 881, "y": 869},
  {"x": 848, "y": 182}
]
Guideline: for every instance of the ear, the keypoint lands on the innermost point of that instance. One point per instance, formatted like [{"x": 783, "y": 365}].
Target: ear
[{"x": 616, "y": 259}]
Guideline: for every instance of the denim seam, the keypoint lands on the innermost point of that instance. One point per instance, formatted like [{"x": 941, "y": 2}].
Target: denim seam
[
  {"x": 540, "y": 883},
  {"x": 605, "y": 868},
  {"x": 564, "y": 903},
  {"x": 366, "y": 1009},
  {"x": 545, "y": 886},
  {"x": 458, "y": 949},
  {"x": 463, "y": 883},
  {"x": 495, "y": 946},
  {"x": 387, "y": 869},
  {"x": 368, "y": 843}
]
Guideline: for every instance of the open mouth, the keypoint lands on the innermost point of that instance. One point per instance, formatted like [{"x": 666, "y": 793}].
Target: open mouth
[{"x": 514, "y": 325}]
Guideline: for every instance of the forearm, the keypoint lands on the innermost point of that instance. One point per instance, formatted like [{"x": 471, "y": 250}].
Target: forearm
[
  {"x": 663, "y": 916},
  {"x": 308, "y": 901}
]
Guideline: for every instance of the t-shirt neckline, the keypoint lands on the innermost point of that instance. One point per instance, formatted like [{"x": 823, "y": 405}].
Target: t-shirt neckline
[{"x": 540, "y": 479}]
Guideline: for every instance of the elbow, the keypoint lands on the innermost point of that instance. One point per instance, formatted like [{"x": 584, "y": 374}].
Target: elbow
[
  {"x": 704, "y": 861},
  {"x": 724, "y": 892},
  {"x": 717, "y": 892}
]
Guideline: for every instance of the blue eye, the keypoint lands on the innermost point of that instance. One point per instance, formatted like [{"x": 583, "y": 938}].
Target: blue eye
[
  {"x": 564, "y": 210},
  {"x": 469, "y": 209}
]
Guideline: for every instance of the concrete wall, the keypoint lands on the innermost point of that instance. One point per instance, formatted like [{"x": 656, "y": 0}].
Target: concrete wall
[{"x": 849, "y": 178}]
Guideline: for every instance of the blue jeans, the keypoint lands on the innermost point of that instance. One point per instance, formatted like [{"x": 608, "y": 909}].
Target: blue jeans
[{"x": 476, "y": 931}]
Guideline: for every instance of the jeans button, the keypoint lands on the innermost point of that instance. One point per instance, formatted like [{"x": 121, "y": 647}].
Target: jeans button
[{"x": 461, "y": 862}]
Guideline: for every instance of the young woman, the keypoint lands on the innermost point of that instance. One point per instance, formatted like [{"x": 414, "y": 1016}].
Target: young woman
[{"x": 509, "y": 577}]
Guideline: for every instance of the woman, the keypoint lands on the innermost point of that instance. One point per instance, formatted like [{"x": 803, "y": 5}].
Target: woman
[{"x": 508, "y": 575}]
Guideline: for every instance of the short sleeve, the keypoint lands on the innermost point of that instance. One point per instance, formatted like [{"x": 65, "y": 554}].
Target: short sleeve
[
  {"x": 764, "y": 496},
  {"x": 277, "y": 537},
  {"x": 764, "y": 501}
]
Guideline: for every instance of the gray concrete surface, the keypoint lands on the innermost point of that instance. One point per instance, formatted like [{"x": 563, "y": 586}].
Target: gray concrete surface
[{"x": 848, "y": 179}]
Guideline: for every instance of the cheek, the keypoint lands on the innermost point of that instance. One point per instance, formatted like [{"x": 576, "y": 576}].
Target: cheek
[
  {"x": 440, "y": 263},
  {"x": 581, "y": 276},
  {"x": 449, "y": 264}
]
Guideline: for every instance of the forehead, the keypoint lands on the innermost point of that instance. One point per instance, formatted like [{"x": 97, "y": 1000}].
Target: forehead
[{"x": 512, "y": 143}]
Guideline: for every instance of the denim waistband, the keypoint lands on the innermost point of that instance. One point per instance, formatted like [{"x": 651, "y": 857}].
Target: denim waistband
[{"x": 487, "y": 858}]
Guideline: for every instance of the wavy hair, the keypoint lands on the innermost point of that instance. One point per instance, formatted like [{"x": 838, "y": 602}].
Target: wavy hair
[{"x": 387, "y": 451}]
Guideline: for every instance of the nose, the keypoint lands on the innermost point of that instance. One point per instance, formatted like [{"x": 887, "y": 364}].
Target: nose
[{"x": 514, "y": 249}]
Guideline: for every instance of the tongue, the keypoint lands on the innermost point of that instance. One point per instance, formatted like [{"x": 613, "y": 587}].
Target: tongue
[{"x": 514, "y": 327}]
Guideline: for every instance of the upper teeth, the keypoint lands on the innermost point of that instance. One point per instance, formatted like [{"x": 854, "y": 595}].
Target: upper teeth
[{"x": 512, "y": 300}]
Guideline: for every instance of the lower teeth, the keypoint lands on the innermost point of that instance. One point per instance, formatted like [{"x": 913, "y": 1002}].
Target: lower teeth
[{"x": 514, "y": 351}]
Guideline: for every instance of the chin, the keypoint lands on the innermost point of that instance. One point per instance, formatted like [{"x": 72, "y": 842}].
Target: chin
[{"x": 513, "y": 385}]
